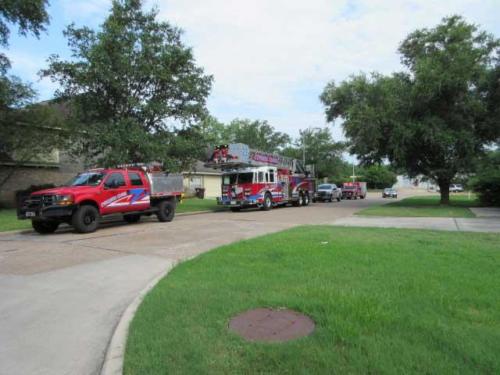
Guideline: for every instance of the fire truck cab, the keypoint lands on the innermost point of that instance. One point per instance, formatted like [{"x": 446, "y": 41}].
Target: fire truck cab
[{"x": 255, "y": 179}]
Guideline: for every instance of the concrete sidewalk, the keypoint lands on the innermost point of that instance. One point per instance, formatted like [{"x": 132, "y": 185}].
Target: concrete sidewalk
[{"x": 489, "y": 224}]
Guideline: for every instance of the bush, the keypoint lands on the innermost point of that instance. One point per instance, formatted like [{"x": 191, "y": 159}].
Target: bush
[
  {"x": 488, "y": 189},
  {"x": 379, "y": 177},
  {"x": 487, "y": 181}
]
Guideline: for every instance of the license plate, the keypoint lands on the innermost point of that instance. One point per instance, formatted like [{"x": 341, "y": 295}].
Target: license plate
[
  {"x": 30, "y": 214},
  {"x": 233, "y": 203}
]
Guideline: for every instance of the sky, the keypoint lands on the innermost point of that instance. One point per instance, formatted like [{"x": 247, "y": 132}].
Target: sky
[{"x": 270, "y": 59}]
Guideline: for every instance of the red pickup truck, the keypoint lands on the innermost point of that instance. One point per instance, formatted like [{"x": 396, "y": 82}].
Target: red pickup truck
[{"x": 96, "y": 193}]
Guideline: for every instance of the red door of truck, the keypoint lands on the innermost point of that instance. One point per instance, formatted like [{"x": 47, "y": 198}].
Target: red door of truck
[
  {"x": 138, "y": 191},
  {"x": 115, "y": 197}
]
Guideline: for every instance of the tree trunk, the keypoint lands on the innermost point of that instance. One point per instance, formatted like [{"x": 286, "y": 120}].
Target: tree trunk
[{"x": 444, "y": 187}]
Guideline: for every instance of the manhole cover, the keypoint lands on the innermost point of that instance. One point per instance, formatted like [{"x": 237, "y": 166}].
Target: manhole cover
[{"x": 271, "y": 325}]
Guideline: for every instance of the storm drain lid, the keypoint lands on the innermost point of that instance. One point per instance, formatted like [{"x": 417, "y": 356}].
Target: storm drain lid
[{"x": 272, "y": 325}]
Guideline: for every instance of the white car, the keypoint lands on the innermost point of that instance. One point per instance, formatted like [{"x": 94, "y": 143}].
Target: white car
[
  {"x": 327, "y": 192},
  {"x": 456, "y": 188}
]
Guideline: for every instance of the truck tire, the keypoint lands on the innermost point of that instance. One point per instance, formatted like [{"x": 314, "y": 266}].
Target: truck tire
[
  {"x": 298, "y": 202},
  {"x": 134, "y": 218},
  {"x": 44, "y": 227},
  {"x": 85, "y": 219},
  {"x": 305, "y": 199},
  {"x": 268, "y": 202},
  {"x": 166, "y": 211}
]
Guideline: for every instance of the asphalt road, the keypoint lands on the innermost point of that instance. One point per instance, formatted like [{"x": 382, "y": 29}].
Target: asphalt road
[{"x": 62, "y": 295}]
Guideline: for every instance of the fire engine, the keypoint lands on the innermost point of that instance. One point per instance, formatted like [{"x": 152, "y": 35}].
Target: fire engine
[
  {"x": 354, "y": 190},
  {"x": 252, "y": 178},
  {"x": 130, "y": 190}
]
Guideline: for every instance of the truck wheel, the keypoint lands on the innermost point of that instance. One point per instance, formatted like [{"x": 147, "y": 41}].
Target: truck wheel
[
  {"x": 44, "y": 227},
  {"x": 305, "y": 199},
  {"x": 132, "y": 218},
  {"x": 268, "y": 202},
  {"x": 166, "y": 211},
  {"x": 85, "y": 219}
]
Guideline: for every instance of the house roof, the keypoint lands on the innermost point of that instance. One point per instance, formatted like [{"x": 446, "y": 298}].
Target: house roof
[{"x": 199, "y": 168}]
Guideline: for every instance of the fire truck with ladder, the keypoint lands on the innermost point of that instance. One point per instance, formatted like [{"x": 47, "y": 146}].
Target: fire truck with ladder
[{"x": 251, "y": 178}]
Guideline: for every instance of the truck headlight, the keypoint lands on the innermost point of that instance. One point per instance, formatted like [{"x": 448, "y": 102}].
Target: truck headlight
[{"x": 64, "y": 200}]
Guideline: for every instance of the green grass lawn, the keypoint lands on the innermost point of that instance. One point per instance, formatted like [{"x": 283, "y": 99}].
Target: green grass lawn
[
  {"x": 9, "y": 221},
  {"x": 385, "y": 301},
  {"x": 196, "y": 204},
  {"x": 425, "y": 206}
]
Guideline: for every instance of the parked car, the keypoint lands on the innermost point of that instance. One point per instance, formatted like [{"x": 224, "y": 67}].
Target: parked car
[
  {"x": 389, "y": 193},
  {"x": 456, "y": 188},
  {"x": 327, "y": 192}
]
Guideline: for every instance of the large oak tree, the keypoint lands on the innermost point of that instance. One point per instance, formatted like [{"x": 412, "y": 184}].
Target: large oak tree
[
  {"x": 133, "y": 88},
  {"x": 433, "y": 118}
]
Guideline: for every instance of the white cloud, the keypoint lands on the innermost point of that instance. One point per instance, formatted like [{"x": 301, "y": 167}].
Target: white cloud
[
  {"x": 271, "y": 58},
  {"x": 85, "y": 11},
  {"x": 27, "y": 66},
  {"x": 262, "y": 53}
]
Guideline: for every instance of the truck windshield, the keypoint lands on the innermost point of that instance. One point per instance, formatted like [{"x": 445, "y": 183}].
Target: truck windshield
[
  {"x": 238, "y": 178},
  {"x": 87, "y": 179},
  {"x": 325, "y": 187}
]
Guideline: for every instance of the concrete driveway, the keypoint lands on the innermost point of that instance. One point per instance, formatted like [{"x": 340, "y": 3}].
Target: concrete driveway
[{"x": 63, "y": 294}]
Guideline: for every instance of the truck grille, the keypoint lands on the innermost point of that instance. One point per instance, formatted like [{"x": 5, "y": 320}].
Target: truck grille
[{"x": 38, "y": 201}]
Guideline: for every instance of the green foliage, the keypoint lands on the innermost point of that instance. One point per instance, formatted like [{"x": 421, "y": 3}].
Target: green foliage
[
  {"x": 31, "y": 133},
  {"x": 27, "y": 131},
  {"x": 257, "y": 134},
  {"x": 487, "y": 180},
  {"x": 29, "y": 15},
  {"x": 434, "y": 119},
  {"x": 127, "y": 84},
  {"x": 378, "y": 176},
  {"x": 320, "y": 150}
]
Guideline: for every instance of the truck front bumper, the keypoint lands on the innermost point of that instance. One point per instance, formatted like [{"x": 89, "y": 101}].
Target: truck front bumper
[
  {"x": 237, "y": 202},
  {"x": 46, "y": 213}
]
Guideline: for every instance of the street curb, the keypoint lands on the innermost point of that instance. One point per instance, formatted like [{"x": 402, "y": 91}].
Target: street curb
[
  {"x": 115, "y": 352},
  {"x": 17, "y": 231},
  {"x": 197, "y": 213}
]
